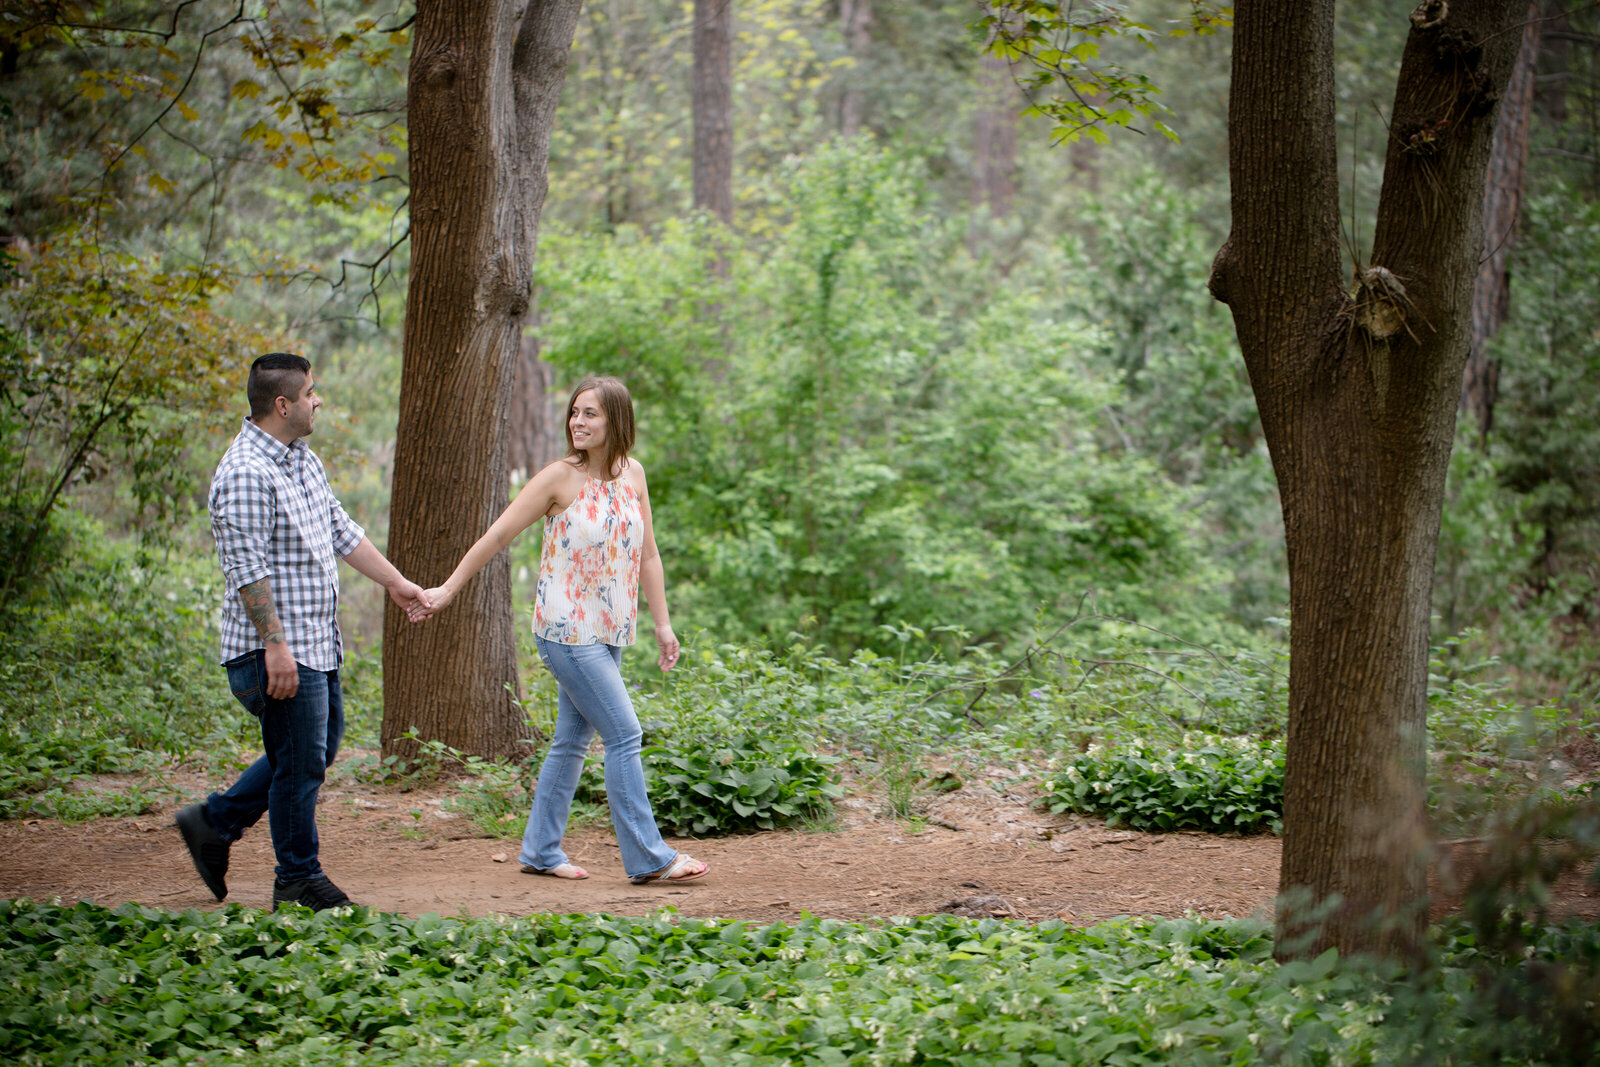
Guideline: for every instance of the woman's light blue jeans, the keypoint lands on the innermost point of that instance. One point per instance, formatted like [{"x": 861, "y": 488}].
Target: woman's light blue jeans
[{"x": 592, "y": 699}]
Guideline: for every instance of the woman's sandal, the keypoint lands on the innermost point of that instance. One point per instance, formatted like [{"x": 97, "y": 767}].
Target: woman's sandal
[
  {"x": 683, "y": 869},
  {"x": 565, "y": 870}
]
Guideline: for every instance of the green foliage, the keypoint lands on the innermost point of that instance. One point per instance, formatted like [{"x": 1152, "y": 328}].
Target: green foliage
[
  {"x": 1062, "y": 43},
  {"x": 109, "y": 667},
  {"x": 1490, "y": 754},
  {"x": 860, "y": 441},
  {"x": 37, "y": 772},
  {"x": 105, "y": 359},
  {"x": 706, "y": 778},
  {"x": 1527, "y": 984},
  {"x": 88, "y": 983},
  {"x": 1220, "y": 784},
  {"x": 84, "y": 983},
  {"x": 707, "y": 785},
  {"x": 1522, "y": 521},
  {"x": 1547, "y": 421}
]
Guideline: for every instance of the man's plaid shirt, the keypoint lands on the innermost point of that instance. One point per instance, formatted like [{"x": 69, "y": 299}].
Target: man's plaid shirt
[{"x": 274, "y": 516}]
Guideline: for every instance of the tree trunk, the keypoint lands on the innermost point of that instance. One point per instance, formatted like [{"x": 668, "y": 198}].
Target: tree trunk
[
  {"x": 1084, "y": 155},
  {"x": 1357, "y": 396},
  {"x": 994, "y": 141},
  {"x": 713, "y": 107},
  {"x": 1502, "y": 207},
  {"x": 482, "y": 102},
  {"x": 855, "y": 20},
  {"x": 534, "y": 429}
]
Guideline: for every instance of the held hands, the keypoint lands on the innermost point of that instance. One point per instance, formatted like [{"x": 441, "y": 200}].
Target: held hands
[
  {"x": 408, "y": 595},
  {"x": 430, "y": 602},
  {"x": 417, "y": 603},
  {"x": 668, "y": 641}
]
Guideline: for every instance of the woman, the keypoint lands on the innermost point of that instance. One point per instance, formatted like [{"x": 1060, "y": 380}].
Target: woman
[{"x": 598, "y": 548}]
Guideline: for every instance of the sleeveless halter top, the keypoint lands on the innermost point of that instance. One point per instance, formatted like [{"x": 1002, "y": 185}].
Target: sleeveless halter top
[{"x": 589, "y": 567}]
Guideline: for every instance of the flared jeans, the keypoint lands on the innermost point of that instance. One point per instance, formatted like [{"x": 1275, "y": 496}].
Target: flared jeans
[{"x": 592, "y": 698}]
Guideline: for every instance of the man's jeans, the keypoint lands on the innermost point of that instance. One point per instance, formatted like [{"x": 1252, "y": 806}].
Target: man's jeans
[
  {"x": 592, "y": 697},
  {"x": 301, "y": 736}
]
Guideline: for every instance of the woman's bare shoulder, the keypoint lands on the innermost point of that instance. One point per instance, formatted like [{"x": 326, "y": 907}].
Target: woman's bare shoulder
[
  {"x": 567, "y": 468},
  {"x": 557, "y": 485}
]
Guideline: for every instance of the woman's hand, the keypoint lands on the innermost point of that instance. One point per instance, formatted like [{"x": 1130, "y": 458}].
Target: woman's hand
[
  {"x": 668, "y": 642},
  {"x": 431, "y": 602}
]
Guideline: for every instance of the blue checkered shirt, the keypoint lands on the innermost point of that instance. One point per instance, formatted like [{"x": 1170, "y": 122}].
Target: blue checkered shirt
[{"x": 274, "y": 516}]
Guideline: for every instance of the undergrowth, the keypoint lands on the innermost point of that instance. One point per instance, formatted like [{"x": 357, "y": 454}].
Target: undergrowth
[{"x": 86, "y": 984}]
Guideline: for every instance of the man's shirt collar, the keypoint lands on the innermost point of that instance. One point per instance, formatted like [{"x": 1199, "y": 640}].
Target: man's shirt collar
[{"x": 279, "y": 453}]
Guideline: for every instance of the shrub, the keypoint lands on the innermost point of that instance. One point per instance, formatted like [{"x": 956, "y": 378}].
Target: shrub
[
  {"x": 700, "y": 783},
  {"x": 748, "y": 781},
  {"x": 1209, "y": 783}
]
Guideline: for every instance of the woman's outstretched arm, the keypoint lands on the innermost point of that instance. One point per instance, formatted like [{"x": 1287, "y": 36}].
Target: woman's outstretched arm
[{"x": 531, "y": 504}]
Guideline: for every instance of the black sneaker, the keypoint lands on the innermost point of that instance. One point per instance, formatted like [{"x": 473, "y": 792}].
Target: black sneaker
[
  {"x": 206, "y": 847},
  {"x": 318, "y": 894}
]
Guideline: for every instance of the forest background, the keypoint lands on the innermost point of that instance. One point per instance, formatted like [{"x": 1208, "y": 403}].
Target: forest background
[{"x": 939, "y": 370}]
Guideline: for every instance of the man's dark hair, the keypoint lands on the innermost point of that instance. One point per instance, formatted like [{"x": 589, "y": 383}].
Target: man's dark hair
[{"x": 273, "y": 375}]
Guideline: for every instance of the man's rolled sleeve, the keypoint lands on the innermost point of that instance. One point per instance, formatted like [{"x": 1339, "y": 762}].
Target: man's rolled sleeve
[
  {"x": 347, "y": 535},
  {"x": 241, "y": 522}
]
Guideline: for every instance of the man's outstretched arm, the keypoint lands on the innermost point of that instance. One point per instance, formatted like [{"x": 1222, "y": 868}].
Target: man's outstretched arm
[{"x": 366, "y": 559}]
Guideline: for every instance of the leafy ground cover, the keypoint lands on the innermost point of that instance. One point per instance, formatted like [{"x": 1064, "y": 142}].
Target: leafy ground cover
[
  {"x": 1203, "y": 783},
  {"x": 87, "y": 984}
]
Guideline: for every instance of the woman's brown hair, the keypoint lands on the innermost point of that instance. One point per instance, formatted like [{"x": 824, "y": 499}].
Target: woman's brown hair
[{"x": 617, "y": 404}]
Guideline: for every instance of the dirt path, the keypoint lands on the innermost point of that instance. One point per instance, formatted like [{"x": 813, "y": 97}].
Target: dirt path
[{"x": 980, "y": 853}]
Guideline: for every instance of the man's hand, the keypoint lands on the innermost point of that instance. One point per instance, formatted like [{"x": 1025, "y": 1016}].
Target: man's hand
[
  {"x": 408, "y": 595},
  {"x": 283, "y": 674}
]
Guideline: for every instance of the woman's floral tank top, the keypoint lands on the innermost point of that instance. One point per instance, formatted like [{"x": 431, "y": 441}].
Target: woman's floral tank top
[{"x": 589, "y": 568}]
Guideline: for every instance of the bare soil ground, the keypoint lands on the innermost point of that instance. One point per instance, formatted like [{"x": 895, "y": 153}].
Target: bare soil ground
[{"x": 979, "y": 852}]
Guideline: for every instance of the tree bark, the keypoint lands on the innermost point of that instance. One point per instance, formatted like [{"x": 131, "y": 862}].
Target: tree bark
[
  {"x": 1502, "y": 208},
  {"x": 1357, "y": 395},
  {"x": 534, "y": 438},
  {"x": 855, "y": 21},
  {"x": 713, "y": 107},
  {"x": 1085, "y": 154},
  {"x": 482, "y": 102},
  {"x": 994, "y": 141}
]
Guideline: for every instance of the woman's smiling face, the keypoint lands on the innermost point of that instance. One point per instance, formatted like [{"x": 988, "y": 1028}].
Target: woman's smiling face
[{"x": 586, "y": 422}]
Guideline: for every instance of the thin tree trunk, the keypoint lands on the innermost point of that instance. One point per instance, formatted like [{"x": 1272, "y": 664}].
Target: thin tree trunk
[
  {"x": 1502, "y": 208},
  {"x": 1084, "y": 155},
  {"x": 994, "y": 141},
  {"x": 1358, "y": 400},
  {"x": 534, "y": 430},
  {"x": 713, "y": 107},
  {"x": 855, "y": 21},
  {"x": 482, "y": 102}
]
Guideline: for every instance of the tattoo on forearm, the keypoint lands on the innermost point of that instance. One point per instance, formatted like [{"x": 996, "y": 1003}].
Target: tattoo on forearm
[{"x": 258, "y": 606}]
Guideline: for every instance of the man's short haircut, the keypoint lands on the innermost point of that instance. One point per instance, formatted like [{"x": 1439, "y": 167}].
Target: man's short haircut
[{"x": 273, "y": 375}]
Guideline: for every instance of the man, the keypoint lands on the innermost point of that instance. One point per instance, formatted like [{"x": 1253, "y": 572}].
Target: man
[{"x": 278, "y": 529}]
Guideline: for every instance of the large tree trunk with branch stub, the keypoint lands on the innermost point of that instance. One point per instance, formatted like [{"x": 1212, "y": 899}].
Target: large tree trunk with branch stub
[
  {"x": 1357, "y": 394},
  {"x": 482, "y": 102}
]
